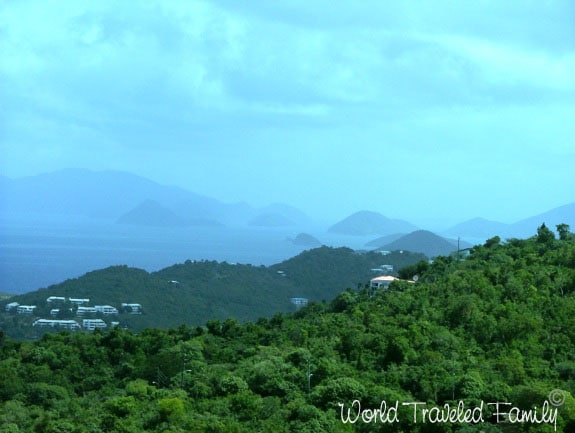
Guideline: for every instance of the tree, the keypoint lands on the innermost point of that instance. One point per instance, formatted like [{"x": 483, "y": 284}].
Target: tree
[
  {"x": 544, "y": 235},
  {"x": 492, "y": 242},
  {"x": 563, "y": 230}
]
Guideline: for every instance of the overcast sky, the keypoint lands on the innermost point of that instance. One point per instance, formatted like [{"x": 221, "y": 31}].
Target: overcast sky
[{"x": 425, "y": 110}]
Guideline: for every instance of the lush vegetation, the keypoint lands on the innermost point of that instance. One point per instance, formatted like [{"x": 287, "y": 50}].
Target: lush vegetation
[
  {"x": 196, "y": 291},
  {"x": 495, "y": 326}
]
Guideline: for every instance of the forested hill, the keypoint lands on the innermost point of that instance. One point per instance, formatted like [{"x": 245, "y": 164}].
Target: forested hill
[
  {"x": 195, "y": 291},
  {"x": 495, "y": 327}
]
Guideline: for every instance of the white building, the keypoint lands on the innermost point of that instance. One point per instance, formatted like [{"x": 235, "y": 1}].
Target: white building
[
  {"x": 12, "y": 305},
  {"x": 51, "y": 299},
  {"x": 300, "y": 302},
  {"x": 82, "y": 311},
  {"x": 383, "y": 269},
  {"x": 132, "y": 308},
  {"x": 54, "y": 312},
  {"x": 79, "y": 301},
  {"x": 25, "y": 309},
  {"x": 383, "y": 252},
  {"x": 91, "y": 324},
  {"x": 106, "y": 309},
  {"x": 64, "y": 324},
  {"x": 382, "y": 282}
]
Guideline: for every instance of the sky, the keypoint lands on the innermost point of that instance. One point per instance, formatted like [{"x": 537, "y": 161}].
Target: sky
[{"x": 427, "y": 110}]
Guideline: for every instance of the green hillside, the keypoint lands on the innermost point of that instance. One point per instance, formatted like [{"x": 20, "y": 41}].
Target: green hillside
[
  {"x": 494, "y": 328},
  {"x": 193, "y": 292},
  {"x": 425, "y": 242}
]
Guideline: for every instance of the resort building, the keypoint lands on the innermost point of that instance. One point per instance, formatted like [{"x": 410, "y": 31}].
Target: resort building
[
  {"x": 106, "y": 309},
  {"x": 82, "y": 311},
  {"x": 78, "y": 301},
  {"x": 132, "y": 308},
  {"x": 25, "y": 309},
  {"x": 64, "y": 324},
  {"x": 92, "y": 324}
]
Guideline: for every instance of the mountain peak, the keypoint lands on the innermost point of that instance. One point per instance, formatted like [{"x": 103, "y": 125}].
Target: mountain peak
[
  {"x": 151, "y": 213},
  {"x": 423, "y": 241},
  {"x": 366, "y": 223}
]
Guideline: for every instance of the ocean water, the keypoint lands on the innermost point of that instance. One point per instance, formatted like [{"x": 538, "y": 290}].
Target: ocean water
[{"x": 35, "y": 255}]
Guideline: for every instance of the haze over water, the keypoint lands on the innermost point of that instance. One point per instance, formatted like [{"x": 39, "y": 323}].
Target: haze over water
[{"x": 36, "y": 256}]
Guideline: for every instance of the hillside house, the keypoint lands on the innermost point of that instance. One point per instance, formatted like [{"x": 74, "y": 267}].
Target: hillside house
[
  {"x": 54, "y": 312},
  {"x": 11, "y": 306},
  {"x": 92, "y": 324},
  {"x": 25, "y": 309},
  {"x": 383, "y": 252},
  {"x": 64, "y": 324},
  {"x": 79, "y": 301},
  {"x": 382, "y": 282},
  {"x": 52, "y": 299},
  {"x": 132, "y": 308},
  {"x": 299, "y": 302},
  {"x": 82, "y": 311},
  {"x": 106, "y": 309},
  {"x": 383, "y": 269}
]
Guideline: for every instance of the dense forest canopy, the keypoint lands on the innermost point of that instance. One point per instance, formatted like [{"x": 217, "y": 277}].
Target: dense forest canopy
[{"x": 497, "y": 325}]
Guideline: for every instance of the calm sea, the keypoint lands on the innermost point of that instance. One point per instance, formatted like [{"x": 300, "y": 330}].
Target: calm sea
[{"x": 35, "y": 255}]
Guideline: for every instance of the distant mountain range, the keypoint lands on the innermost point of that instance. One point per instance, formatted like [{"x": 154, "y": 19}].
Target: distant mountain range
[
  {"x": 131, "y": 199},
  {"x": 482, "y": 228},
  {"x": 78, "y": 192}
]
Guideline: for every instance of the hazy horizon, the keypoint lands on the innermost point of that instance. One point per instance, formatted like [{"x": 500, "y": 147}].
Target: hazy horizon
[
  {"x": 437, "y": 225},
  {"x": 428, "y": 111}
]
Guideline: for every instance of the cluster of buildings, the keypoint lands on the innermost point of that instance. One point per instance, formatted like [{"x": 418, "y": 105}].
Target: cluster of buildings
[
  {"x": 79, "y": 307},
  {"x": 384, "y": 279},
  {"x": 20, "y": 309}
]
